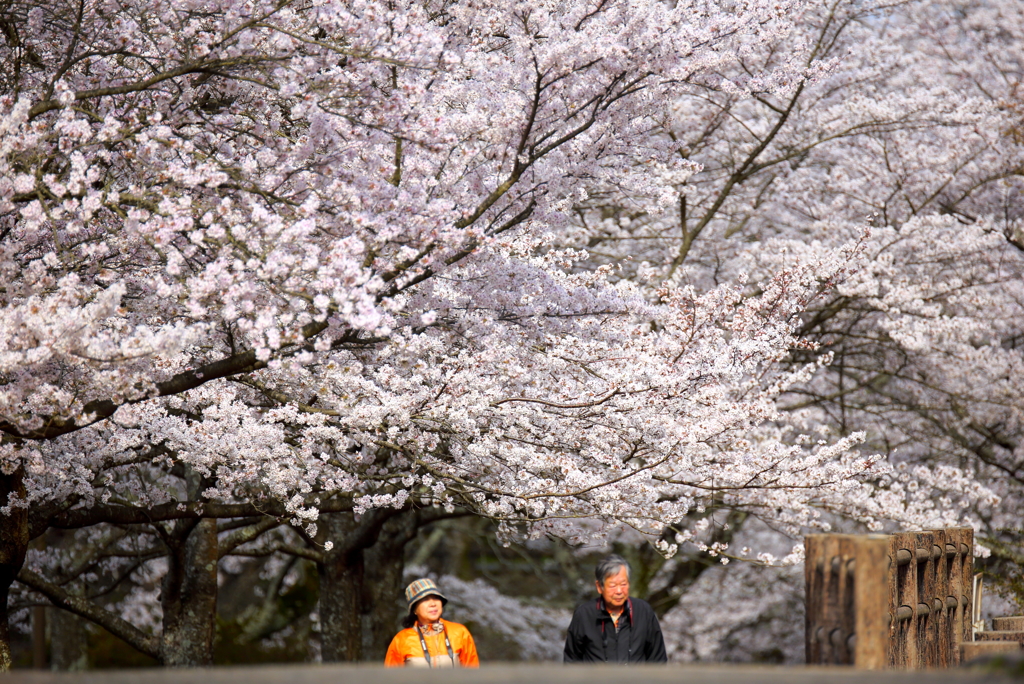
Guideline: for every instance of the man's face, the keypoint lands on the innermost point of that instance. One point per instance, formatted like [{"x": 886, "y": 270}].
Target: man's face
[{"x": 615, "y": 590}]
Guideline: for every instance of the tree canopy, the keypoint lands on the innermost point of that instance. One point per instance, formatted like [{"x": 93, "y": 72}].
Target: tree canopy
[{"x": 296, "y": 279}]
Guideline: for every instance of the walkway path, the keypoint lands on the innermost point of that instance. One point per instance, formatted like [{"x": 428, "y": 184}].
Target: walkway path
[{"x": 503, "y": 674}]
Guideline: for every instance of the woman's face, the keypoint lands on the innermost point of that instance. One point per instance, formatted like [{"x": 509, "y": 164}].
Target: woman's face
[{"x": 429, "y": 609}]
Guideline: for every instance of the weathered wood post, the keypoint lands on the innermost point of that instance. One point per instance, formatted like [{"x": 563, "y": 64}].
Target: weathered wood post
[
  {"x": 930, "y": 597},
  {"x": 897, "y": 601},
  {"x": 847, "y": 599}
]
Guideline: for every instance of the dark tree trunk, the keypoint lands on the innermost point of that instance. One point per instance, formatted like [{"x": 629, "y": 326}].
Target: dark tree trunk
[
  {"x": 189, "y": 596},
  {"x": 383, "y": 602},
  {"x": 361, "y": 580},
  {"x": 14, "y": 537},
  {"x": 341, "y": 593}
]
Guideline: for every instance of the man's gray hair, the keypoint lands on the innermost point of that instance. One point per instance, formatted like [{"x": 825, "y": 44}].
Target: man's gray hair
[{"x": 609, "y": 566}]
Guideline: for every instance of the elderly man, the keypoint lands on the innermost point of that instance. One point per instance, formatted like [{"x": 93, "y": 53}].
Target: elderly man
[{"x": 614, "y": 628}]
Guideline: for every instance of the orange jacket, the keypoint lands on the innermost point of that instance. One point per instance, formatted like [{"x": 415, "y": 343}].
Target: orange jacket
[{"x": 407, "y": 651}]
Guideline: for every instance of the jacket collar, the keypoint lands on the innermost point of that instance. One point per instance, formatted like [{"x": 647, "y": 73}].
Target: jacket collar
[{"x": 601, "y": 608}]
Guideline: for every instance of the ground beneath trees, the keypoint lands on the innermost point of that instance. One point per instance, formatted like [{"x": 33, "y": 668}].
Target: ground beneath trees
[{"x": 502, "y": 674}]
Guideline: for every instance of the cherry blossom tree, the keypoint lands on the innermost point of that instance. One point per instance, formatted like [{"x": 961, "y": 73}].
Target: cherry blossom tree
[
  {"x": 269, "y": 192},
  {"x": 340, "y": 265},
  {"x": 912, "y": 126}
]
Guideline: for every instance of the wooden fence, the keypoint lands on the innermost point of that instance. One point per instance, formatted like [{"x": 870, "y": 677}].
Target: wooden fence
[{"x": 900, "y": 601}]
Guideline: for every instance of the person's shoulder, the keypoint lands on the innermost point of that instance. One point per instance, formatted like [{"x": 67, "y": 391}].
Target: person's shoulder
[
  {"x": 405, "y": 633},
  {"x": 454, "y": 626},
  {"x": 586, "y": 607},
  {"x": 641, "y": 606}
]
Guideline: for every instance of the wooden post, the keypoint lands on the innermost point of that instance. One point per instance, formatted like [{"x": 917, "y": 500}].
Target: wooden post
[
  {"x": 900, "y": 601},
  {"x": 829, "y": 609},
  {"x": 871, "y": 585},
  {"x": 962, "y": 585},
  {"x": 903, "y": 592}
]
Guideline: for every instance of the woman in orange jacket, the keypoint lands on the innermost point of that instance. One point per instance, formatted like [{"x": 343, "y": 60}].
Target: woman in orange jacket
[{"x": 427, "y": 640}]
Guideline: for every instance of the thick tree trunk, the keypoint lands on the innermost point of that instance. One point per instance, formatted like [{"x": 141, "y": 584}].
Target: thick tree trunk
[
  {"x": 341, "y": 593},
  {"x": 190, "y": 588},
  {"x": 14, "y": 537},
  {"x": 189, "y": 596},
  {"x": 383, "y": 602},
  {"x": 5, "y": 630},
  {"x": 361, "y": 583}
]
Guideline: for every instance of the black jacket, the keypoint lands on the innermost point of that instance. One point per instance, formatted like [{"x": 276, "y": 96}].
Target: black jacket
[{"x": 592, "y": 637}]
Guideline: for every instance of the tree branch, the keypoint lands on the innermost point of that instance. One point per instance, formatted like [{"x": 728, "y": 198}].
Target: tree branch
[
  {"x": 212, "y": 67},
  {"x": 101, "y": 409},
  {"x": 127, "y": 632}
]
